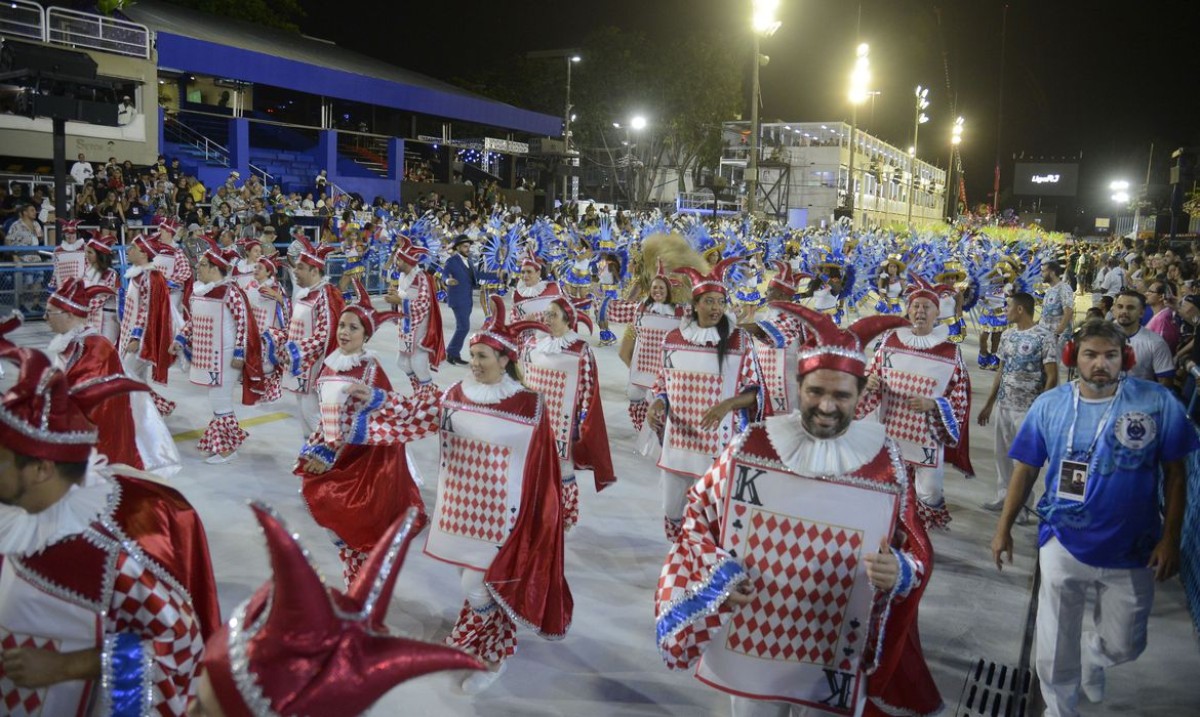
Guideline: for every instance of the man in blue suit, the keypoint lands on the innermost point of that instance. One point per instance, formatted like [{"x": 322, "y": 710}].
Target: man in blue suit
[{"x": 460, "y": 283}]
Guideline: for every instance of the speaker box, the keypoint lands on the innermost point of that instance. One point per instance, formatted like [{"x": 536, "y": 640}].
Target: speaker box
[{"x": 45, "y": 59}]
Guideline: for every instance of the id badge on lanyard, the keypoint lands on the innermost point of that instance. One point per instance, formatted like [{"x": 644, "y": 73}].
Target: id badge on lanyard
[{"x": 1074, "y": 472}]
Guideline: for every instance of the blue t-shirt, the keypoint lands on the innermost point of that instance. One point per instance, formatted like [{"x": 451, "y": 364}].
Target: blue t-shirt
[{"x": 1117, "y": 524}]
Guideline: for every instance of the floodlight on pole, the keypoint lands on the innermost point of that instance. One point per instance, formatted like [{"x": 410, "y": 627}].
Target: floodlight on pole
[
  {"x": 1120, "y": 191},
  {"x": 763, "y": 24},
  {"x": 638, "y": 122},
  {"x": 922, "y": 95},
  {"x": 860, "y": 79},
  {"x": 956, "y": 134}
]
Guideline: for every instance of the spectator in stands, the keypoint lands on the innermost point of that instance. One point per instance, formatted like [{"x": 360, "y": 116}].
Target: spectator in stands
[
  {"x": 321, "y": 183},
  {"x": 224, "y": 218},
  {"x": 111, "y": 211},
  {"x": 82, "y": 170},
  {"x": 1159, "y": 296},
  {"x": 26, "y": 231},
  {"x": 125, "y": 111},
  {"x": 85, "y": 204},
  {"x": 136, "y": 212},
  {"x": 189, "y": 213},
  {"x": 1154, "y": 358},
  {"x": 174, "y": 171}
]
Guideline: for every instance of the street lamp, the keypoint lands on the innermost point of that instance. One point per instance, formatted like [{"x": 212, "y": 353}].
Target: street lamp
[
  {"x": 567, "y": 117},
  {"x": 764, "y": 24},
  {"x": 1120, "y": 191},
  {"x": 955, "y": 139},
  {"x": 860, "y": 79},
  {"x": 920, "y": 118},
  {"x": 636, "y": 123}
]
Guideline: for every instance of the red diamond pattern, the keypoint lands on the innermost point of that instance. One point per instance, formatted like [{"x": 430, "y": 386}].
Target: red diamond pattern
[
  {"x": 68, "y": 265},
  {"x": 475, "y": 499},
  {"x": 902, "y": 423},
  {"x": 552, "y": 384},
  {"x": 648, "y": 358},
  {"x": 19, "y": 701},
  {"x": 203, "y": 351},
  {"x": 692, "y": 393},
  {"x": 803, "y": 573},
  {"x": 773, "y": 364}
]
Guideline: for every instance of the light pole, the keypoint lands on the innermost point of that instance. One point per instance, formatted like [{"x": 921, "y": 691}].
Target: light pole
[
  {"x": 763, "y": 24},
  {"x": 567, "y": 117},
  {"x": 920, "y": 118},
  {"x": 955, "y": 139},
  {"x": 860, "y": 78},
  {"x": 636, "y": 123}
]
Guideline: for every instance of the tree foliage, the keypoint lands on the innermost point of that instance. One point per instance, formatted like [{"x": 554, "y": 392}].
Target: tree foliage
[
  {"x": 685, "y": 86},
  {"x": 280, "y": 14}
]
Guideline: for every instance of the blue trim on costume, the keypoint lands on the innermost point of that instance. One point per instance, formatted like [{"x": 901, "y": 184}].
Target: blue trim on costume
[
  {"x": 184, "y": 347},
  {"x": 239, "y": 353},
  {"x": 904, "y": 581},
  {"x": 358, "y": 423},
  {"x": 271, "y": 348},
  {"x": 322, "y": 453},
  {"x": 294, "y": 351},
  {"x": 602, "y": 314},
  {"x": 947, "y": 416},
  {"x": 776, "y": 335},
  {"x": 128, "y": 685},
  {"x": 406, "y": 322},
  {"x": 568, "y": 480},
  {"x": 705, "y": 600},
  {"x": 137, "y": 333}
]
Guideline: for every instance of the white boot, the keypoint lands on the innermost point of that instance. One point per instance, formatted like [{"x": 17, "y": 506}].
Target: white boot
[{"x": 479, "y": 681}]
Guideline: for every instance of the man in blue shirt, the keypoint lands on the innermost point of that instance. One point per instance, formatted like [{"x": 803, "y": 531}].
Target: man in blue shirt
[{"x": 1109, "y": 441}]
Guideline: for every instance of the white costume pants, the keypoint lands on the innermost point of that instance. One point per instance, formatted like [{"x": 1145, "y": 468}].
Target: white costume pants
[
  {"x": 221, "y": 397},
  {"x": 930, "y": 482},
  {"x": 1005, "y": 423},
  {"x": 675, "y": 489},
  {"x": 1123, "y": 602},
  {"x": 416, "y": 365},
  {"x": 473, "y": 588},
  {"x": 310, "y": 411}
]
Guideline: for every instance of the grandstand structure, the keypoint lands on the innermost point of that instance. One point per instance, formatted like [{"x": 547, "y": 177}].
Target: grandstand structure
[{"x": 224, "y": 95}]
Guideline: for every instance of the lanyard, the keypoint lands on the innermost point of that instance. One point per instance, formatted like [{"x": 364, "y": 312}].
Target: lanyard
[{"x": 1099, "y": 427}]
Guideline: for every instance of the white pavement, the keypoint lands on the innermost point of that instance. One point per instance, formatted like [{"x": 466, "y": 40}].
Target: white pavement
[{"x": 608, "y": 664}]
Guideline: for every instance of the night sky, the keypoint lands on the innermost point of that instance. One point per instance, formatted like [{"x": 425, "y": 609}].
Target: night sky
[{"x": 1104, "y": 79}]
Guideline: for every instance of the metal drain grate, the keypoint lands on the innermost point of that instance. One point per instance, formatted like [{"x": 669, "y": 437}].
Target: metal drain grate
[{"x": 995, "y": 690}]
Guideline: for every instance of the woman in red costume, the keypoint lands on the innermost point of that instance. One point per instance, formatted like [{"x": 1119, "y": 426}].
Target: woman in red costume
[
  {"x": 499, "y": 514},
  {"x": 561, "y": 368},
  {"x": 355, "y": 492},
  {"x": 533, "y": 292},
  {"x": 641, "y": 347},
  {"x": 102, "y": 311}
]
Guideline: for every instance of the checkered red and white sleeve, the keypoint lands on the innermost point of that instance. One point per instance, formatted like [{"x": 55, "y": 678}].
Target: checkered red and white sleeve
[
  {"x": 947, "y": 421},
  {"x": 181, "y": 272},
  {"x": 750, "y": 378},
  {"x": 312, "y": 347},
  {"x": 871, "y": 398},
  {"x": 698, "y": 575},
  {"x": 238, "y": 310},
  {"x": 587, "y": 372},
  {"x": 418, "y": 308},
  {"x": 164, "y": 620},
  {"x": 391, "y": 418}
]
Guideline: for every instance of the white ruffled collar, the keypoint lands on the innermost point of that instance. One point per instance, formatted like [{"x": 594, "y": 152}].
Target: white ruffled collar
[
  {"x": 490, "y": 393},
  {"x": 529, "y": 292},
  {"x": 928, "y": 341},
  {"x": 807, "y": 455},
  {"x": 303, "y": 293},
  {"x": 554, "y": 345},
  {"x": 24, "y": 533},
  {"x": 661, "y": 309},
  {"x": 71, "y": 245},
  {"x": 199, "y": 288},
  {"x": 246, "y": 266},
  {"x": 134, "y": 272},
  {"x": 60, "y": 342},
  {"x": 341, "y": 361},
  {"x": 692, "y": 332}
]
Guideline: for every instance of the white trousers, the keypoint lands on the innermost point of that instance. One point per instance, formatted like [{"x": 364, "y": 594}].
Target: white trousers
[
  {"x": 746, "y": 707},
  {"x": 310, "y": 411},
  {"x": 675, "y": 489},
  {"x": 930, "y": 484},
  {"x": 473, "y": 588},
  {"x": 416, "y": 365},
  {"x": 221, "y": 397},
  {"x": 1005, "y": 424},
  {"x": 1123, "y": 601},
  {"x": 135, "y": 367}
]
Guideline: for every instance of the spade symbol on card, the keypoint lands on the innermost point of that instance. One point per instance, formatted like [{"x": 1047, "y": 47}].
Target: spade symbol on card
[
  {"x": 855, "y": 623},
  {"x": 847, "y": 651}
]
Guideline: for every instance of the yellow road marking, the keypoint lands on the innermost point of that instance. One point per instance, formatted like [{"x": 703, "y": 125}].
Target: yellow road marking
[{"x": 256, "y": 421}]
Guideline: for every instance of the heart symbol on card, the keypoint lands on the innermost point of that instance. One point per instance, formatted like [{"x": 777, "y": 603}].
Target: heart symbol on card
[{"x": 739, "y": 510}]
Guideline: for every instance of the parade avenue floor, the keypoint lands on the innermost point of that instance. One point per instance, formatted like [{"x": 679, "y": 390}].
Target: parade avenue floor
[{"x": 608, "y": 664}]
